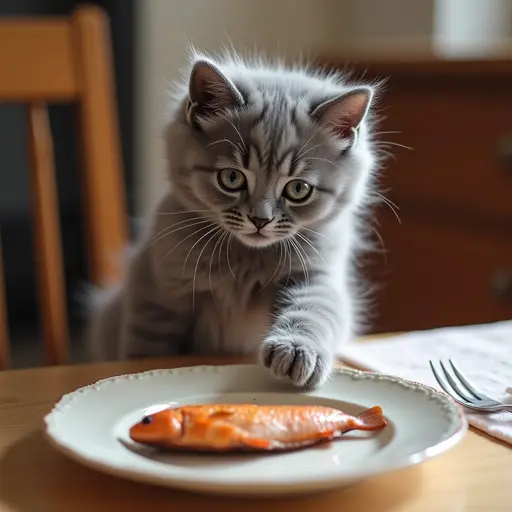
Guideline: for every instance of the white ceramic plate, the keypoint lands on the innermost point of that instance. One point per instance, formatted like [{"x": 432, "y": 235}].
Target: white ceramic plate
[{"x": 91, "y": 426}]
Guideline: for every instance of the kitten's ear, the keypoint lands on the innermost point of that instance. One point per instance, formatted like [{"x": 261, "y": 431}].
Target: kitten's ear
[
  {"x": 210, "y": 90},
  {"x": 343, "y": 114}
]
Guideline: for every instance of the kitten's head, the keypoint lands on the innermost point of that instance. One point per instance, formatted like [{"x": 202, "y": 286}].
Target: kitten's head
[{"x": 267, "y": 151}]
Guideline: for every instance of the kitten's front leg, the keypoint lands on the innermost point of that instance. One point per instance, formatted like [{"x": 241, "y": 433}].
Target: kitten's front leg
[
  {"x": 152, "y": 332},
  {"x": 312, "y": 320},
  {"x": 153, "y": 325}
]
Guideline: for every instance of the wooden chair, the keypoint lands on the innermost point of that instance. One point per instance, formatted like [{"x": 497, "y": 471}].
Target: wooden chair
[{"x": 66, "y": 60}]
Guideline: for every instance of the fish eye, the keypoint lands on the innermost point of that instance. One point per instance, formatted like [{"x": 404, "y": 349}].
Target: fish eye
[
  {"x": 147, "y": 420},
  {"x": 232, "y": 180},
  {"x": 297, "y": 191}
]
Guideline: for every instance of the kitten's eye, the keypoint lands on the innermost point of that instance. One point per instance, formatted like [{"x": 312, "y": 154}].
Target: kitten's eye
[
  {"x": 297, "y": 190},
  {"x": 232, "y": 180}
]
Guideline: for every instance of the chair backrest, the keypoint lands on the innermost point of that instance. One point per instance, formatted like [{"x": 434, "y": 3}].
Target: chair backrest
[{"x": 66, "y": 60}]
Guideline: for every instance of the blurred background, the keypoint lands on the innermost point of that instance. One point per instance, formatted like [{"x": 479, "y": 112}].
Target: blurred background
[{"x": 445, "y": 248}]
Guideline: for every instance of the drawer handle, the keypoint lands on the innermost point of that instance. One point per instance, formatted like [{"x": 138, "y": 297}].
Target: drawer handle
[
  {"x": 505, "y": 150},
  {"x": 501, "y": 284}
]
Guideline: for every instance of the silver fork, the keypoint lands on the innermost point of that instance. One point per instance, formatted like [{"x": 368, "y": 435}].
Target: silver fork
[{"x": 455, "y": 384}]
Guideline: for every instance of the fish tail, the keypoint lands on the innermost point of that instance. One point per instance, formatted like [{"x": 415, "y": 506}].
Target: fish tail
[{"x": 371, "y": 419}]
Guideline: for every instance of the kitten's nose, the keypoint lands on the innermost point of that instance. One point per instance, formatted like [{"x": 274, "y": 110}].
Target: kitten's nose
[{"x": 260, "y": 222}]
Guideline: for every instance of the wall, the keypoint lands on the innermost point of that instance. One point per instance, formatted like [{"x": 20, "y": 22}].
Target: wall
[
  {"x": 472, "y": 27},
  {"x": 372, "y": 20}
]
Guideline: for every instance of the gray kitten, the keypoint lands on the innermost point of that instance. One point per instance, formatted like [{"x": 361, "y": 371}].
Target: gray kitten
[{"x": 252, "y": 250}]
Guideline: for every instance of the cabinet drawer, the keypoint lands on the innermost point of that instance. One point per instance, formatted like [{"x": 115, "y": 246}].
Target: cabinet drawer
[
  {"x": 461, "y": 161},
  {"x": 436, "y": 275}
]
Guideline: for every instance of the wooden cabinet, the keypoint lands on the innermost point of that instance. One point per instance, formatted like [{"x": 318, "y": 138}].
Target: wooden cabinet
[{"x": 449, "y": 262}]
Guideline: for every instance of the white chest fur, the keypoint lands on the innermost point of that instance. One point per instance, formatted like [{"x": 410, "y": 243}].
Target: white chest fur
[{"x": 236, "y": 321}]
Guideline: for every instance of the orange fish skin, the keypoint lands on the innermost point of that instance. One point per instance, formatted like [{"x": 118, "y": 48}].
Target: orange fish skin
[{"x": 241, "y": 427}]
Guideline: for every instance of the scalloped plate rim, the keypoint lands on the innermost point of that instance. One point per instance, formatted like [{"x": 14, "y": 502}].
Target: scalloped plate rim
[{"x": 304, "y": 485}]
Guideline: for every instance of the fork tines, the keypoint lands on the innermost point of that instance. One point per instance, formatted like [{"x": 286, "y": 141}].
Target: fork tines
[
  {"x": 455, "y": 381},
  {"x": 455, "y": 384}
]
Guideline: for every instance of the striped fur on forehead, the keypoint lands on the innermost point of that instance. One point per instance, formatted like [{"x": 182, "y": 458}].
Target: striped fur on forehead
[
  {"x": 276, "y": 136},
  {"x": 276, "y": 132}
]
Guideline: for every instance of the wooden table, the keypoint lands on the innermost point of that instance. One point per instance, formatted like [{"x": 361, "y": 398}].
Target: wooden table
[{"x": 474, "y": 476}]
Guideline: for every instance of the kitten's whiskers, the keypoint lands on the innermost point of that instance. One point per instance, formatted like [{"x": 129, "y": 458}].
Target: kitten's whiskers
[
  {"x": 171, "y": 229},
  {"x": 278, "y": 266},
  {"x": 381, "y": 241},
  {"x": 215, "y": 233},
  {"x": 321, "y": 159},
  {"x": 186, "y": 238},
  {"x": 192, "y": 248},
  {"x": 316, "y": 233},
  {"x": 389, "y": 143},
  {"x": 219, "y": 240},
  {"x": 223, "y": 140},
  {"x": 180, "y": 213},
  {"x": 308, "y": 241},
  {"x": 303, "y": 264},
  {"x": 289, "y": 254},
  {"x": 304, "y": 252},
  {"x": 244, "y": 147},
  {"x": 227, "y": 256},
  {"x": 304, "y": 153},
  {"x": 300, "y": 153},
  {"x": 392, "y": 206},
  {"x": 386, "y": 133},
  {"x": 219, "y": 262}
]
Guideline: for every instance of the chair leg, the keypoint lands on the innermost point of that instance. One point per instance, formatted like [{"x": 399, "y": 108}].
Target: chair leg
[
  {"x": 5, "y": 355},
  {"x": 47, "y": 238}
]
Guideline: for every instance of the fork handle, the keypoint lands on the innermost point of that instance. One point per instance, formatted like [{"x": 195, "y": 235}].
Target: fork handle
[
  {"x": 490, "y": 410},
  {"x": 501, "y": 408}
]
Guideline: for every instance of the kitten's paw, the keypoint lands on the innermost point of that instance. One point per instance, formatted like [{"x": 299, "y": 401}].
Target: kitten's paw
[{"x": 296, "y": 359}]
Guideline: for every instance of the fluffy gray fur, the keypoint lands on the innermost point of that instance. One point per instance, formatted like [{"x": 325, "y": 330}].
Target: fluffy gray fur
[{"x": 252, "y": 250}]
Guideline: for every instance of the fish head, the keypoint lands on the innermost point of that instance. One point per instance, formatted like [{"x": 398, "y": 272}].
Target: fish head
[{"x": 160, "y": 427}]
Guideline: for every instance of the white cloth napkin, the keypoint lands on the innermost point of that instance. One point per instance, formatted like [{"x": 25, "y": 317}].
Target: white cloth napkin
[{"x": 482, "y": 352}]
